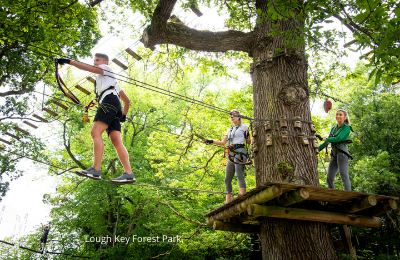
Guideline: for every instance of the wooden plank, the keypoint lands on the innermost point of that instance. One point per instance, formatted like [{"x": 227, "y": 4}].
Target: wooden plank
[
  {"x": 133, "y": 54},
  {"x": 360, "y": 204},
  {"x": 31, "y": 125},
  {"x": 5, "y": 141},
  {"x": 91, "y": 79},
  {"x": 123, "y": 66},
  {"x": 261, "y": 197},
  {"x": 380, "y": 208},
  {"x": 331, "y": 196},
  {"x": 21, "y": 130},
  {"x": 82, "y": 89},
  {"x": 293, "y": 197},
  {"x": 313, "y": 215},
  {"x": 195, "y": 10},
  {"x": 40, "y": 118},
  {"x": 50, "y": 112},
  {"x": 60, "y": 105},
  {"x": 13, "y": 136},
  {"x": 315, "y": 193},
  {"x": 240, "y": 228}
]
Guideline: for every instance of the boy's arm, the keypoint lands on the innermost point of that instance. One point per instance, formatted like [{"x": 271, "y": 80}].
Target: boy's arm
[
  {"x": 80, "y": 65},
  {"x": 126, "y": 102},
  {"x": 86, "y": 67}
]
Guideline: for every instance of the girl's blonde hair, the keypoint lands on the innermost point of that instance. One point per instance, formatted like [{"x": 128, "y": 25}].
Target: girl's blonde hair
[
  {"x": 347, "y": 121},
  {"x": 236, "y": 112}
]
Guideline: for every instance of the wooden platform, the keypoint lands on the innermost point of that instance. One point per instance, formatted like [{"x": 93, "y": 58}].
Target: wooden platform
[{"x": 272, "y": 200}]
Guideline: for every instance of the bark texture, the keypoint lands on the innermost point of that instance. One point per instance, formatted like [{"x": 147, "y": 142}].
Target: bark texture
[{"x": 283, "y": 239}]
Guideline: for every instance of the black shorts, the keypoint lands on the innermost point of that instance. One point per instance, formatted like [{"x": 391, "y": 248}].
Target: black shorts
[
  {"x": 43, "y": 240},
  {"x": 109, "y": 112}
]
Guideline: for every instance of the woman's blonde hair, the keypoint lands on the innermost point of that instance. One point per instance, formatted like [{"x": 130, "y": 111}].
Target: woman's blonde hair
[
  {"x": 347, "y": 121},
  {"x": 236, "y": 112}
]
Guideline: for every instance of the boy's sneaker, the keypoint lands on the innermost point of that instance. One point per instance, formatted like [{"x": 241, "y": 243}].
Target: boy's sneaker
[
  {"x": 90, "y": 173},
  {"x": 125, "y": 178}
]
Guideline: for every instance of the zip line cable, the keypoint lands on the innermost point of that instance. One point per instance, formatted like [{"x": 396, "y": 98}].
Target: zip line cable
[
  {"x": 145, "y": 185},
  {"x": 173, "y": 94}
]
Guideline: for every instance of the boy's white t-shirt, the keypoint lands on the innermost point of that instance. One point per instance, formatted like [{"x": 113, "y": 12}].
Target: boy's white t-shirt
[
  {"x": 238, "y": 138},
  {"x": 105, "y": 80}
]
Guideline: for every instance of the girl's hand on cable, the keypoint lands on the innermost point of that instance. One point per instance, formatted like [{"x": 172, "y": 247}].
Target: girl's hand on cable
[
  {"x": 209, "y": 141},
  {"x": 122, "y": 118}
]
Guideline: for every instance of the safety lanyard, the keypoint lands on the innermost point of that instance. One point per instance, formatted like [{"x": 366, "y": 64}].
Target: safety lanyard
[{"x": 232, "y": 134}]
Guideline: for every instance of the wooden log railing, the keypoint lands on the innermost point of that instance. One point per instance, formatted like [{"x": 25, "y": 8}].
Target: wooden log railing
[{"x": 313, "y": 215}]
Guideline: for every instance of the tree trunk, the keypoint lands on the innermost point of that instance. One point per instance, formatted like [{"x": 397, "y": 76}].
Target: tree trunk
[{"x": 280, "y": 89}]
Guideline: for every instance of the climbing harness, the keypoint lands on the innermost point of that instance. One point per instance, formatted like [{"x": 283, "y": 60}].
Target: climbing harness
[
  {"x": 232, "y": 158},
  {"x": 232, "y": 148},
  {"x": 336, "y": 144}
]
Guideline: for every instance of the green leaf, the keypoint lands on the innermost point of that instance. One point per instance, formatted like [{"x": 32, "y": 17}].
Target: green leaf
[
  {"x": 378, "y": 76},
  {"x": 360, "y": 17}
]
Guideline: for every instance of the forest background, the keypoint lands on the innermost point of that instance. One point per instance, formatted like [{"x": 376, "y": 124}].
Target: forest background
[{"x": 82, "y": 208}]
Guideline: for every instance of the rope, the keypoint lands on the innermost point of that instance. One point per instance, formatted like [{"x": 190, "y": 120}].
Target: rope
[{"x": 145, "y": 185}]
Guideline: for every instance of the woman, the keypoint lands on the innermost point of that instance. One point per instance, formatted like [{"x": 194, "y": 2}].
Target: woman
[
  {"x": 340, "y": 154},
  {"x": 235, "y": 138}
]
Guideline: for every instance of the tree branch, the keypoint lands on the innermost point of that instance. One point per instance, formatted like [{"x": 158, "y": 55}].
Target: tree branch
[
  {"x": 177, "y": 213},
  {"x": 161, "y": 32}
]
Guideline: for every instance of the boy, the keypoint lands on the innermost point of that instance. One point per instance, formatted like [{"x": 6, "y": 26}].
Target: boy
[
  {"x": 108, "y": 116},
  {"x": 43, "y": 239}
]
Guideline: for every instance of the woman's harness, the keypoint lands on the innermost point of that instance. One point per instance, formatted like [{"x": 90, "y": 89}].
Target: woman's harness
[
  {"x": 336, "y": 145},
  {"x": 233, "y": 148}
]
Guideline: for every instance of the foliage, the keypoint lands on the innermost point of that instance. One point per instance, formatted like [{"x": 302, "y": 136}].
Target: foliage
[{"x": 67, "y": 27}]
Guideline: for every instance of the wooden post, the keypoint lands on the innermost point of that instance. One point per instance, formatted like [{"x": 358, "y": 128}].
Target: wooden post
[
  {"x": 313, "y": 215},
  {"x": 50, "y": 112},
  {"x": 31, "y": 125},
  {"x": 360, "y": 204},
  {"x": 60, "y": 105},
  {"x": 240, "y": 228},
  {"x": 40, "y": 118},
  {"x": 133, "y": 54},
  {"x": 21, "y": 130},
  {"x": 259, "y": 198},
  {"x": 293, "y": 197},
  {"x": 380, "y": 208},
  {"x": 346, "y": 240},
  {"x": 123, "y": 66},
  {"x": 82, "y": 89}
]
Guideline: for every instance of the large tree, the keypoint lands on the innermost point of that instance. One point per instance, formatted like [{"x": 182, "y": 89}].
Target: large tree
[{"x": 276, "y": 41}]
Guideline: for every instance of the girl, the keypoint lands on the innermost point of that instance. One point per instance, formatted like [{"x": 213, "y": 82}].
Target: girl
[
  {"x": 235, "y": 138},
  {"x": 340, "y": 154}
]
